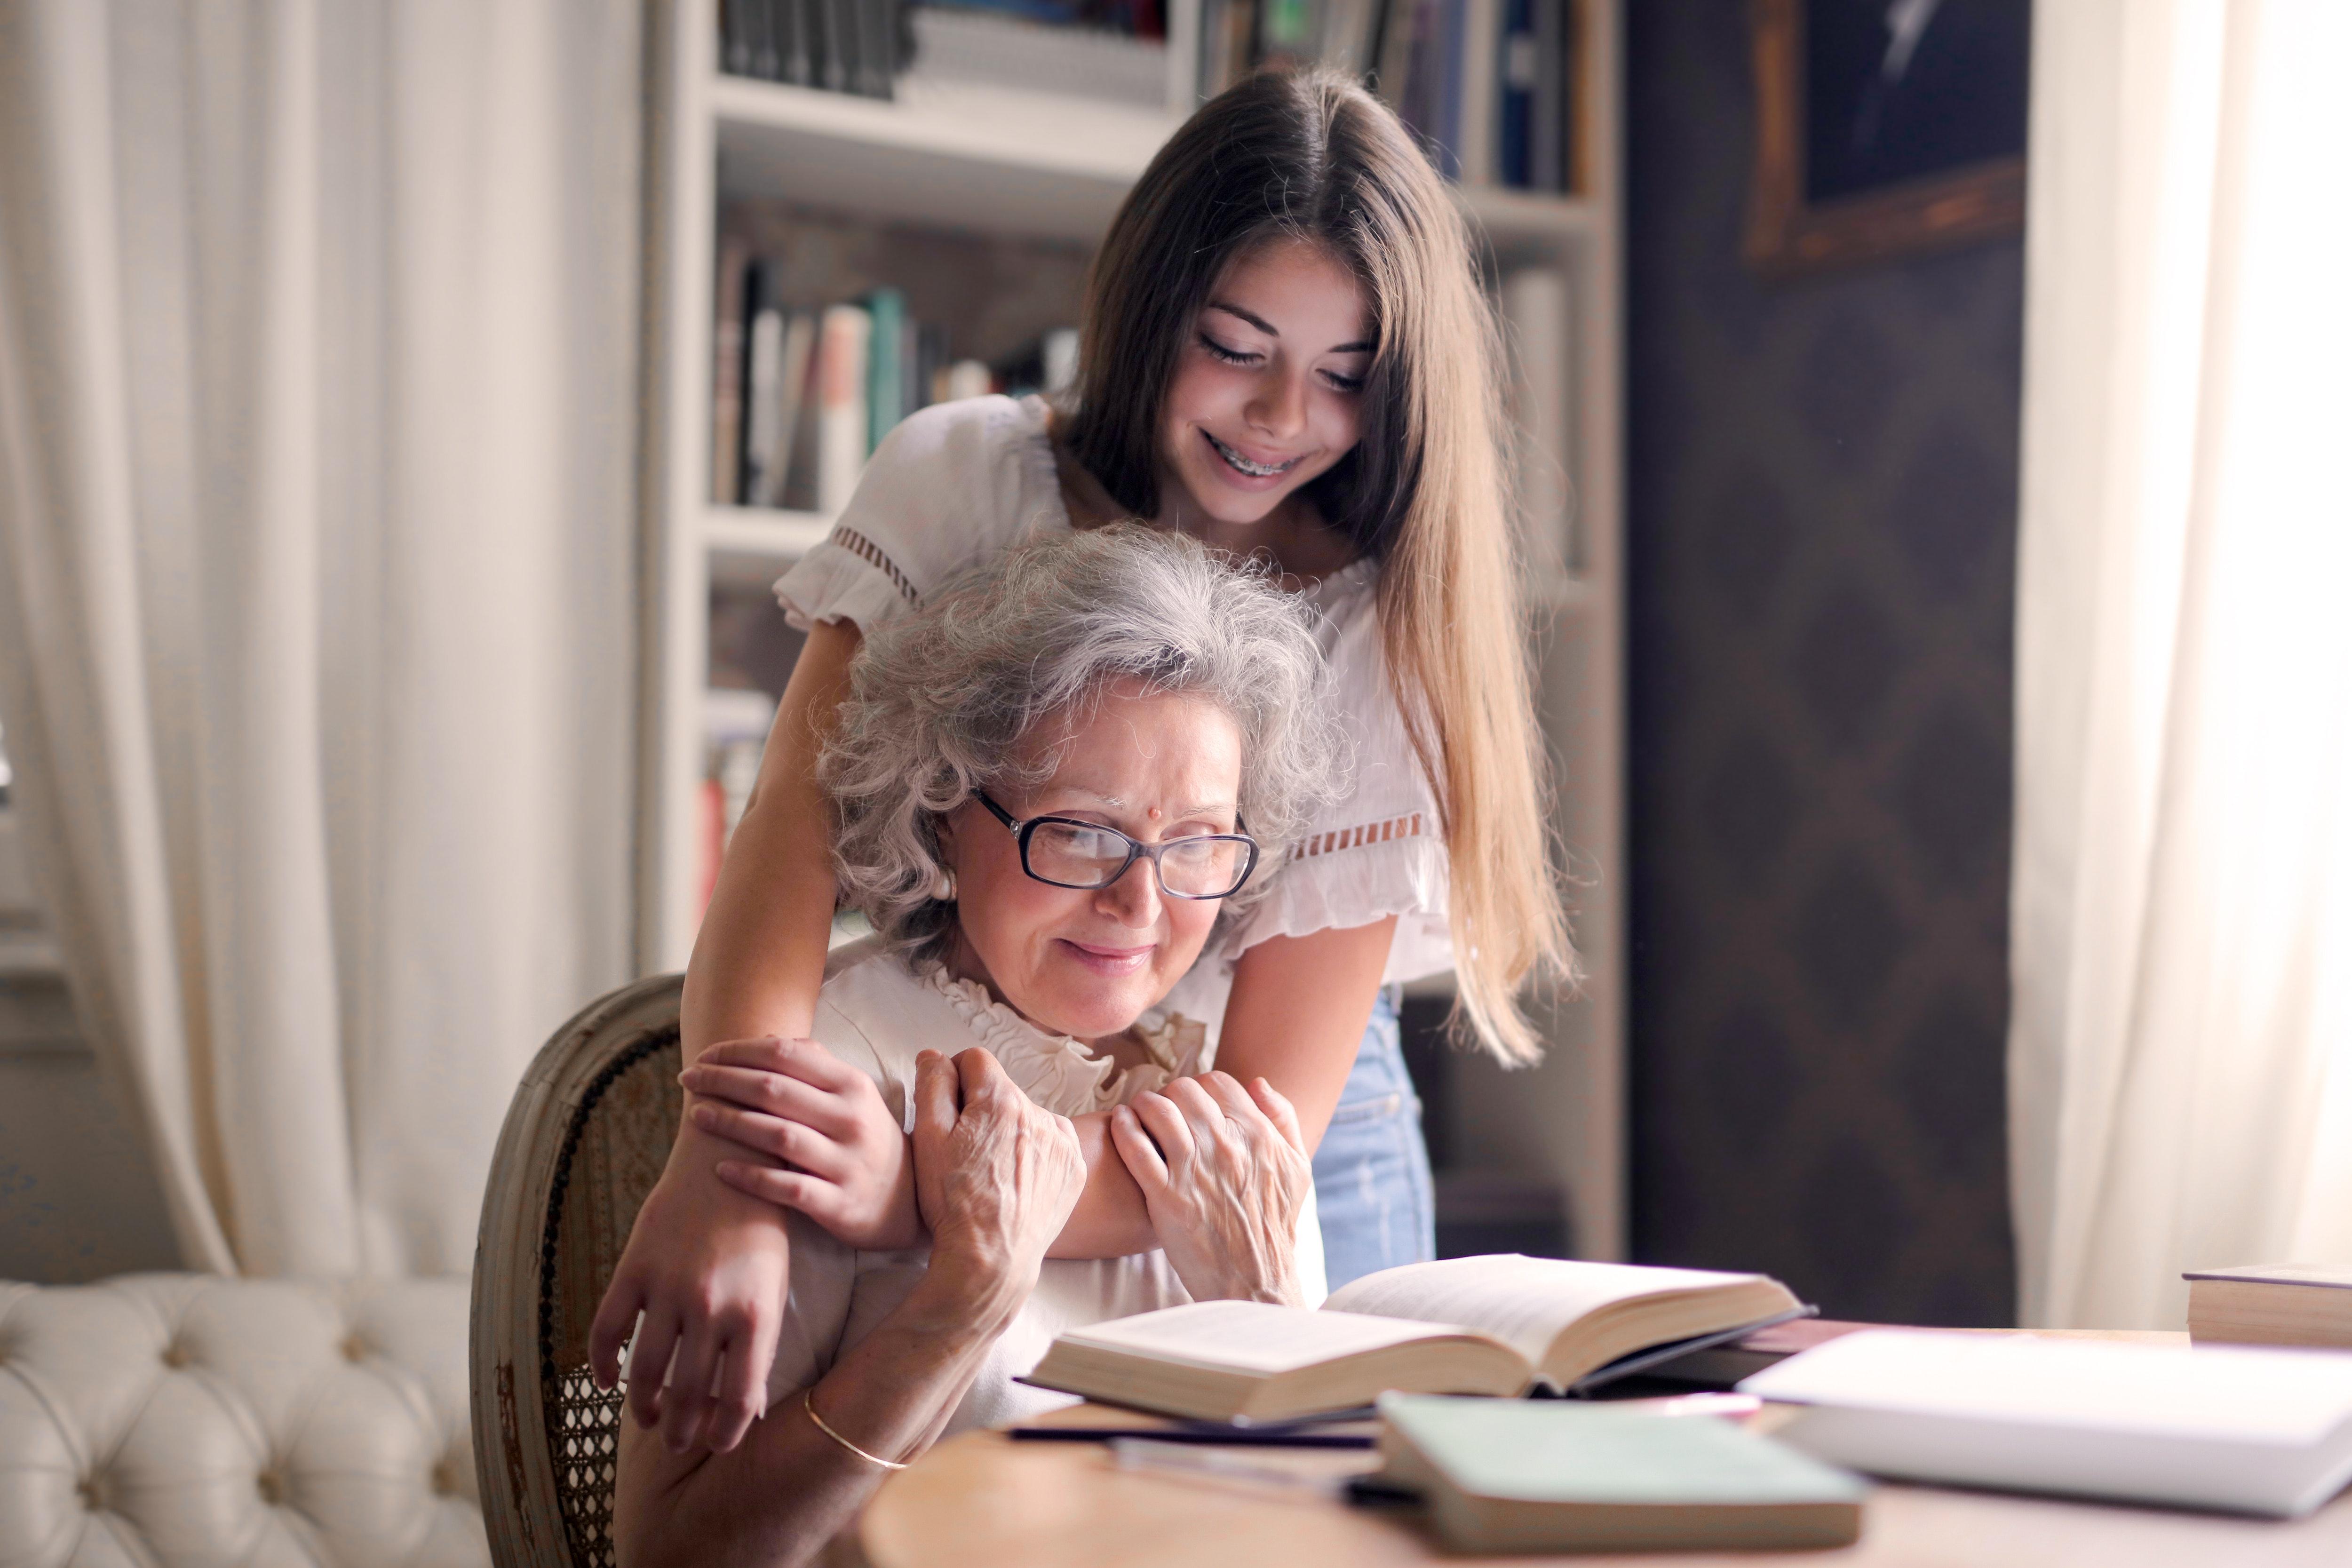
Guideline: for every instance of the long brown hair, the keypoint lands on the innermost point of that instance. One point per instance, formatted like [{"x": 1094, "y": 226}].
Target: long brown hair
[{"x": 1311, "y": 155}]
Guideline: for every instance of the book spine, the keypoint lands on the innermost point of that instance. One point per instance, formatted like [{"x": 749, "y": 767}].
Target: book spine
[
  {"x": 727, "y": 349},
  {"x": 793, "y": 385},
  {"x": 1546, "y": 139},
  {"x": 791, "y": 23},
  {"x": 763, "y": 388},
  {"x": 1537, "y": 320},
  {"x": 877, "y": 23},
  {"x": 1480, "y": 75},
  {"x": 1517, "y": 70},
  {"x": 842, "y": 407},
  {"x": 885, "y": 350},
  {"x": 735, "y": 36},
  {"x": 1452, "y": 23},
  {"x": 969, "y": 378},
  {"x": 835, "y": 67}
]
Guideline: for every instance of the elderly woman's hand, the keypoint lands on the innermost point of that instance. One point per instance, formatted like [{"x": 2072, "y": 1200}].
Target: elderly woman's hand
[
  {"x": 1225, "y": 1171},
  {"x": 996, "y": 1174}
]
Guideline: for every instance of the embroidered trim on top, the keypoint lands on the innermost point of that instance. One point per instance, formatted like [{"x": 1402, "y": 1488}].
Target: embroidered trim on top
[
  {"x": 1338, "y": 838},
  {"x": 865, "y": 550}
]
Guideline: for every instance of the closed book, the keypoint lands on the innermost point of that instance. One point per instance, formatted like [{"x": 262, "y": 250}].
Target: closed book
[
  {"x": 833, "y": 53},
  {"x": 1479, "y": 72},
  {"x": 2272, "y": 1304},
  {"x": 1547, "y": 118},
  {"x": 782, "y": 411},
  {"x": 790, "y": 20},
  {"x": 886, "y": 370},
  {"x": 841, "y": 410},
  {"x": 727, "y": 372},
  {"x": 1517, "y": 1475},
  {"x": 1501, "y": 1324},
  {"x": 763, "y": 367},
  {"x": 2242, "y": 1428},
  {"x": 1517, "y": 71}
]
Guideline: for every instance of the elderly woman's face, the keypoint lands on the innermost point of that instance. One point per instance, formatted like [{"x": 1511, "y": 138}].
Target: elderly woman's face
[{"x": 1088, "y": 964}]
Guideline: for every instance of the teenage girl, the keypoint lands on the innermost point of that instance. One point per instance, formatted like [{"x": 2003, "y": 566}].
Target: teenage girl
[{"x": 1286, "y": 353}]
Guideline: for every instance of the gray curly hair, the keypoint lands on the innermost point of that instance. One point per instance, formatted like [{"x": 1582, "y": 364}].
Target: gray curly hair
[{"x": 939, "y": 700}]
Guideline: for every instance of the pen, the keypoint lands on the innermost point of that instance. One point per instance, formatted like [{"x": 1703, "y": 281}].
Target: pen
[{"x": 1235, "y": 1438}]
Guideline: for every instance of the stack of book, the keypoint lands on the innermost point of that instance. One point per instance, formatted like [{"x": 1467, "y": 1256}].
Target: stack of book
[
  {"x": 801, "y": 393},
  {"x": 1488, "y": 85},
  {"x": 842, "y": 45}
]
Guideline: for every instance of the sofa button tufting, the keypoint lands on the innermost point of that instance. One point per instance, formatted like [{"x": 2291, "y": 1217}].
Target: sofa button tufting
[
  {"x": 271, "y": 1485},
  {"x": 175, "y": 1356},
  {"x": 354, "y": 1348},
  {"x": 444, "y": 1476}
]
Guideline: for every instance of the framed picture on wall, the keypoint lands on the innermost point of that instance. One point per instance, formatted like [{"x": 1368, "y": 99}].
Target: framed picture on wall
[{"x": 1885, "y": 127}]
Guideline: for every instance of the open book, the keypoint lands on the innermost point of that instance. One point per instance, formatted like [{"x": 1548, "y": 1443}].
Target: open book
[{"x": 1469, "y": 1325}]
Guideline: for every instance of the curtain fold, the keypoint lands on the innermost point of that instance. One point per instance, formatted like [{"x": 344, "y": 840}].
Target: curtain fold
[
  {"x": 2180, "y": 1050},
  {"x": 317, "y": 359}
]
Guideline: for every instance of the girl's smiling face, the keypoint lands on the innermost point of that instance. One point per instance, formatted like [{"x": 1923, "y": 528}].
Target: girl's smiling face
[{"x": 1267, "y": 389}]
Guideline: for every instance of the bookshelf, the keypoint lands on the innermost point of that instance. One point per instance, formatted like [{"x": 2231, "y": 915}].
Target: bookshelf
[{"x": 956, "y": 156}]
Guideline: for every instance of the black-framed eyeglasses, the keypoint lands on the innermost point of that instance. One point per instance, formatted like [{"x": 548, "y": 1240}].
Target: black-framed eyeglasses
[{"x": 1068, "y": 853}]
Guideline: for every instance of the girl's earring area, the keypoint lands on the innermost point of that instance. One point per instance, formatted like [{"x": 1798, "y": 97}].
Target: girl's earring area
[{"x": 943, "y": 886}]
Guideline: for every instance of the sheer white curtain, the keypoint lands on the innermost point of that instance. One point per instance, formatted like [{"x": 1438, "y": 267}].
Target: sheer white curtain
[
  {"x": 316, "y": 352},
  {"x": 2180, "y": 1055}
]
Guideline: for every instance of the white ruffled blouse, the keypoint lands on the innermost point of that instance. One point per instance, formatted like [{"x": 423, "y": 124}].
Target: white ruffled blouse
[
  {"x": 876, "y": 1013},
  {"x": 957, "y": 482}
]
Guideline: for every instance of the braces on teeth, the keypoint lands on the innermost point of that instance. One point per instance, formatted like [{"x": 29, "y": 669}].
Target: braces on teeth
[{"x": 1254, "y": 471}]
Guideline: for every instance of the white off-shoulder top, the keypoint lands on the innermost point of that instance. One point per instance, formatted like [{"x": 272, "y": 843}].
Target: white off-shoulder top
[
  {"x": 874, "y": 1013},
  {"x": 959, "y": 481}
]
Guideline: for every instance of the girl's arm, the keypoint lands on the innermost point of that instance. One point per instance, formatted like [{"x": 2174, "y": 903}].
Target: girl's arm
[
  {"x": 705, "y": 1264},
  {"x": 1295, "y": 1018},
  {"x": 998, "y": 1175}
]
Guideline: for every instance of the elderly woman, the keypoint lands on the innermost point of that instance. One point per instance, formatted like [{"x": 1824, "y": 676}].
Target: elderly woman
[{"x": 1052, "y": 786}]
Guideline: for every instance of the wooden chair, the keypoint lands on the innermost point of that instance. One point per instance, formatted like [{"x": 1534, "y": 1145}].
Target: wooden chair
[{"x": 584, "y": 1139}]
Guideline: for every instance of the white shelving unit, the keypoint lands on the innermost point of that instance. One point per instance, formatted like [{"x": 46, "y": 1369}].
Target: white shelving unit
[{"x": 993, "y": 161}]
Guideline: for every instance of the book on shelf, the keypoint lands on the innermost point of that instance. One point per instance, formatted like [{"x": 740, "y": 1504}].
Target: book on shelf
[
  {"x": 1569, "y": 1476},
  {"x": 803, "y": 393},
  {"x": 843, "y": 46},
  {"x": 1486, "y": 84},
  {"x": 2272, "y": 1304},
  {"x": 727, "y": 352},
  {"x": 1496, "y": 1325},
  {"x": 842, "y": 408},
  {"x": 2244, "y": 1428}
]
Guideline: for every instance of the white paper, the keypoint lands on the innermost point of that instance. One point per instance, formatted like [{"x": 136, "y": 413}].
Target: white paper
[{"x": 2245, "y": 1394}]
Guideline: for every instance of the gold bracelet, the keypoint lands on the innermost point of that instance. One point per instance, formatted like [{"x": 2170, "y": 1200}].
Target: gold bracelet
[{"x": 808, "y": 1402}]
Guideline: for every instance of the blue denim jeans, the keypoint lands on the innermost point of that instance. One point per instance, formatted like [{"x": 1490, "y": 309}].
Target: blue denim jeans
[{"x": 1371, "y": 1173}]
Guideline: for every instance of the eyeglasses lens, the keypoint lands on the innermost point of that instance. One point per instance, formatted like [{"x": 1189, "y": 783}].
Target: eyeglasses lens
[{"x": 1076, "y": 856}]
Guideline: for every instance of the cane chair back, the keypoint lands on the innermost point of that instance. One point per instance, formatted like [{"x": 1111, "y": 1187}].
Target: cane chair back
[{"x": 584, "y": 1139}]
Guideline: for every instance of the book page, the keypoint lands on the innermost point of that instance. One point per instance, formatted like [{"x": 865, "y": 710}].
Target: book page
[
  {"x": 1249, "y": 1336},
  {"x": 1523, "y": 1301},
  {"x": 2250, "y": 1394}
]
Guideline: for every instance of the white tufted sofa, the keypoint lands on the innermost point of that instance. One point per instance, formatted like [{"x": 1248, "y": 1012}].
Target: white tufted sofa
[{"x": 174, "y": 1419}]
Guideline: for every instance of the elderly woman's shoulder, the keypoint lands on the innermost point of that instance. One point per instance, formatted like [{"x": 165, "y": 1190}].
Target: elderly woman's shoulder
[{"x": 874, "y": 1011}]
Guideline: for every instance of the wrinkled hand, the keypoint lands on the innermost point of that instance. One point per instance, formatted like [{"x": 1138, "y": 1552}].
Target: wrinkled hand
[
  {"x": 795, "y": 1102},
  {"x": 997, "y": 1175},
  {"x": 708, "y": 1268},
  {"x": 1225, "y": 1171}
]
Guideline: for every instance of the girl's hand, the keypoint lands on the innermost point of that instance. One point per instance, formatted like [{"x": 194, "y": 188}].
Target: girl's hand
[
  {"x": 1225, "y": 1171},
  {"x": 997, "y": 1175},
  {"x": 707, "y": 1268},
  {"x": 794, "y": 1100}
]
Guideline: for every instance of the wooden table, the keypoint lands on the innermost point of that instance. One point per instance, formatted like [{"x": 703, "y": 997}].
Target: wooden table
[{"x": 982, "y": 1500}]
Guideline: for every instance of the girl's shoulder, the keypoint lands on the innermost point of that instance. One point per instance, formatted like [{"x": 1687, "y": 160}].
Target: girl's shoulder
[
  {"x": 950, "y": 486},
  {"x": 955, "y": 478}
]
